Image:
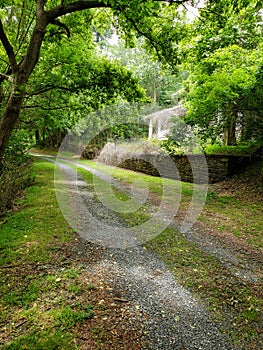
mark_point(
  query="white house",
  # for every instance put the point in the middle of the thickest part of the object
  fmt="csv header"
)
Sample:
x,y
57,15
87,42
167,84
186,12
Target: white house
x,y
160,122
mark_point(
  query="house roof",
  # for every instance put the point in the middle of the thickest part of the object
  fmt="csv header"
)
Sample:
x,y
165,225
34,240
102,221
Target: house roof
x,y
166,114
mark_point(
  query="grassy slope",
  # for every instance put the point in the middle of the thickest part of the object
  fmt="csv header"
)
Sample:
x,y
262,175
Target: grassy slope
x,y
237,210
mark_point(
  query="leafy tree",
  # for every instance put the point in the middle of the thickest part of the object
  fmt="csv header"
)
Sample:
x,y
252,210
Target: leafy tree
x,y
221,91
67,84
23,27
226,23
224,64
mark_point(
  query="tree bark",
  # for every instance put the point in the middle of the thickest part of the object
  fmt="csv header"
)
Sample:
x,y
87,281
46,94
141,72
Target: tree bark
x,y
21,73
230,130
9,118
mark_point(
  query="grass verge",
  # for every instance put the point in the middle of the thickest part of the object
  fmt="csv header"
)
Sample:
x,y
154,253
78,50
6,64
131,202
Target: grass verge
x,y
48,299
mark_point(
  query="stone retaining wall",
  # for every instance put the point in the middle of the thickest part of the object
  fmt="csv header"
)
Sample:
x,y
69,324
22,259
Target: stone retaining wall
x,y
197,168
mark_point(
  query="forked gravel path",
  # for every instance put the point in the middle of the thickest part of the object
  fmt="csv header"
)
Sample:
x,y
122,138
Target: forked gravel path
x,y
169,314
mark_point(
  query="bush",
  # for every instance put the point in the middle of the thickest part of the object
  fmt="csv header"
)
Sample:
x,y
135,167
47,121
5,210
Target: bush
x,y
15,175
116,153
239,150
170,146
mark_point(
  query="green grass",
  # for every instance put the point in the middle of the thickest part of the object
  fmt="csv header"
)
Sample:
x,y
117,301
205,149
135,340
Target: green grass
x,y
239,217
68,317
238,150
154,184
29,232
39,286
43,341
32,238
223,213
234,303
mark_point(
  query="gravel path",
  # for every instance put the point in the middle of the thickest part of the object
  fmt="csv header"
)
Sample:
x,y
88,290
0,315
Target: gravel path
x,y
238,264
170,316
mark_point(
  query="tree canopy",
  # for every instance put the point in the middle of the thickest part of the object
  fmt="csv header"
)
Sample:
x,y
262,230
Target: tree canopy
x,y
223,61
53,70
25,25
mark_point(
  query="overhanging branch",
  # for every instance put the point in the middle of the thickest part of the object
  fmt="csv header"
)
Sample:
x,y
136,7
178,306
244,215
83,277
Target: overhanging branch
x,y
49,88
63,9
8,47
45,108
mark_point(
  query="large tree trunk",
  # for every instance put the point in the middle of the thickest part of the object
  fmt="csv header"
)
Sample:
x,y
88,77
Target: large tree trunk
x,y
21,73
10,117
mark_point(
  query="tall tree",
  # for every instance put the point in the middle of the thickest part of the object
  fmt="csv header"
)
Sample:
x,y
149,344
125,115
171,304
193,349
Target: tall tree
x,y
224,61
221,91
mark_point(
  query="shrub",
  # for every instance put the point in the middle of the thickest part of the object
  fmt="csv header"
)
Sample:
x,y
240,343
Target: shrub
x,y
170,146
241,149
116,153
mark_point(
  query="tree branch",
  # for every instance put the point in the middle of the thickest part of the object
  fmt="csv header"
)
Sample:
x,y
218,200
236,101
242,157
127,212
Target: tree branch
x,y
62,25
62,9
40,7
49,88
146,35
8,47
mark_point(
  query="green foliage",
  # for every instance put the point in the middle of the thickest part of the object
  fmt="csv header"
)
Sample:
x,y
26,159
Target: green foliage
x,y
170,146
15,170
156,78
223,60
78,82
221,89
111,123
220,53
128,131
18,144
239,150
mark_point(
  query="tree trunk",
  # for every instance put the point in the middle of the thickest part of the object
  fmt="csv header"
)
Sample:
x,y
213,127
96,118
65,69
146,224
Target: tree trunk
x,y
37,136
230,130
10,117
21,72
230,135
154,87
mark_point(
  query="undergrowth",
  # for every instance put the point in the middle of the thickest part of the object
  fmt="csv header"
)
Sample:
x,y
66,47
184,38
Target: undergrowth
x,y
15,175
